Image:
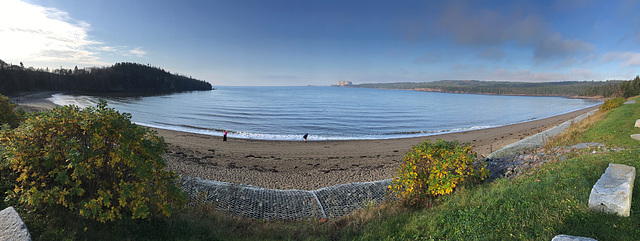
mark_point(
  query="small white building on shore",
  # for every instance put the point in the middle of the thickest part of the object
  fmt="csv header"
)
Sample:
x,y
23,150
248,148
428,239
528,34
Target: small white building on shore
x,y
344,83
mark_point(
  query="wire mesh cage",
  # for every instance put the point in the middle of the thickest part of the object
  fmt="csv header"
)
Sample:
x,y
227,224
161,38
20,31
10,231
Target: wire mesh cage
x,y
271,204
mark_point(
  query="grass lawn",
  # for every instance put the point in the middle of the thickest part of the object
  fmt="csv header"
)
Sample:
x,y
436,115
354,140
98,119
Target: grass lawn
x,y
543,203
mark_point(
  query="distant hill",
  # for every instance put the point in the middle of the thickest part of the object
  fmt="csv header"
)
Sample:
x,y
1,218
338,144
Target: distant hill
x,y
121,77
565,88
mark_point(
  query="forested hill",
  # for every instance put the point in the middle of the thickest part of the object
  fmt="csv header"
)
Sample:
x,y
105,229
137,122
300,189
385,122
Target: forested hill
x,y
121,77
567,88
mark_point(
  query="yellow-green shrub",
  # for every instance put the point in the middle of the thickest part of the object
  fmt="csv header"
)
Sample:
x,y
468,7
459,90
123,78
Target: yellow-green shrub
x,y
7,113
432,169
94,162
612,103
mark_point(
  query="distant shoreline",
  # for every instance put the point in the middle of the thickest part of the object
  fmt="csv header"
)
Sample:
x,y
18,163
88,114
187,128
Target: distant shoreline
x,y
566,89
479,93
562,96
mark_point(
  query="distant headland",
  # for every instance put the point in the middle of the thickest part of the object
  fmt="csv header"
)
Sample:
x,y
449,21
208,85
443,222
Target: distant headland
x,y
574,89
121,77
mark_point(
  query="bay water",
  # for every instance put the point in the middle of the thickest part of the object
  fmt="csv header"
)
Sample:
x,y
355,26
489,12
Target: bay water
x,y
328,113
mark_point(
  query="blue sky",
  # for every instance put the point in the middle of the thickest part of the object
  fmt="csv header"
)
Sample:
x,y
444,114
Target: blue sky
x,y
307,42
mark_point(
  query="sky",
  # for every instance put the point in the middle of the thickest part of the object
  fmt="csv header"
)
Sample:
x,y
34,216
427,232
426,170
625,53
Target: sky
x,y
321,42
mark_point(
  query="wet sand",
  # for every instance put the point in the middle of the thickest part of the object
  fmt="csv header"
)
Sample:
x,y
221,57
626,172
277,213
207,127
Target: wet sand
x,y
313,164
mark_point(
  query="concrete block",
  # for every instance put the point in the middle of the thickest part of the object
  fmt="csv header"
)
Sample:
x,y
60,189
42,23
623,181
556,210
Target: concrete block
x,y
12,227
612,192
564,237
630,102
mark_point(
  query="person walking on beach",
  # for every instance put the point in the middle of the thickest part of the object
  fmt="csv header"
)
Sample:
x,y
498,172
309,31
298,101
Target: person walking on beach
x,y
305,137
224,136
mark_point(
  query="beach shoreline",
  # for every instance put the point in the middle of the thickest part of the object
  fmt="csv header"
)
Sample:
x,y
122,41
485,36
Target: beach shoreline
x,y
313,164
33,102
316,164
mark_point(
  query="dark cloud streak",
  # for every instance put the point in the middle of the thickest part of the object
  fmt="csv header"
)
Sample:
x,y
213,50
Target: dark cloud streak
x,y
493,28
555,46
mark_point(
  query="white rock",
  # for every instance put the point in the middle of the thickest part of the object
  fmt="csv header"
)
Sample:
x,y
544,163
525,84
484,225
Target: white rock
x,y
637,123
635,137
630,102
564,237
11,226
612,192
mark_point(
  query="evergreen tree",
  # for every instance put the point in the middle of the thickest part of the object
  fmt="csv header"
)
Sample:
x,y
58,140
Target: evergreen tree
x,y
121,77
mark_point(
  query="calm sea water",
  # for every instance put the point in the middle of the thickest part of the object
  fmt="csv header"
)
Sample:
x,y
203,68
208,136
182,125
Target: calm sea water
x,y
329,113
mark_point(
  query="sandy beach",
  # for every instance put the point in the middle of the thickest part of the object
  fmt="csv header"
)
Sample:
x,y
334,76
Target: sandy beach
x,y
313,164
34,101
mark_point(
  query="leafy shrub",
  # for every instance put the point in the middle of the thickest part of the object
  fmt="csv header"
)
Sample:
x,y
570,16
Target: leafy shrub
x,y
432,169
8,115
94,162
612,103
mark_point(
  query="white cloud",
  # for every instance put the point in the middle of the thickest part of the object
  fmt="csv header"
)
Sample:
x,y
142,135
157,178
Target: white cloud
x,y
106,48
50,37
627,59
528,75
138,52
39,34
517,75
585,74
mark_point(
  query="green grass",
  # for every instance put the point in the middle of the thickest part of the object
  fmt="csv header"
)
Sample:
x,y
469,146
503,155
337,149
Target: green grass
x,y
549,201
616,128
553,200
546,202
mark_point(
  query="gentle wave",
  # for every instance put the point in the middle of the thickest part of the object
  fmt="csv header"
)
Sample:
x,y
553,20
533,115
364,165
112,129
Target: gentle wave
x,y
294,137
82,101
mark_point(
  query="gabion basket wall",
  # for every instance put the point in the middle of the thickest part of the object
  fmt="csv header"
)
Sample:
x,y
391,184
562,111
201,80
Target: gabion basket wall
x,y
272,204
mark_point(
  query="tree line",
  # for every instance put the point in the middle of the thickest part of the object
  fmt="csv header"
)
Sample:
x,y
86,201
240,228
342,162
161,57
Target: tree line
x,y
121,77
615,88
630,88
610,88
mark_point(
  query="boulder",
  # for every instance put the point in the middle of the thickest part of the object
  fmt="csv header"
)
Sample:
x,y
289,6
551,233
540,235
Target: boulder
x,y
635,137
564,237
11,226
612,192
637,123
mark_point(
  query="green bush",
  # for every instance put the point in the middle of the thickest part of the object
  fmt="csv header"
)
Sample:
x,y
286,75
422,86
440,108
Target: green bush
x,y
432,169
94,162
612,103
8,115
